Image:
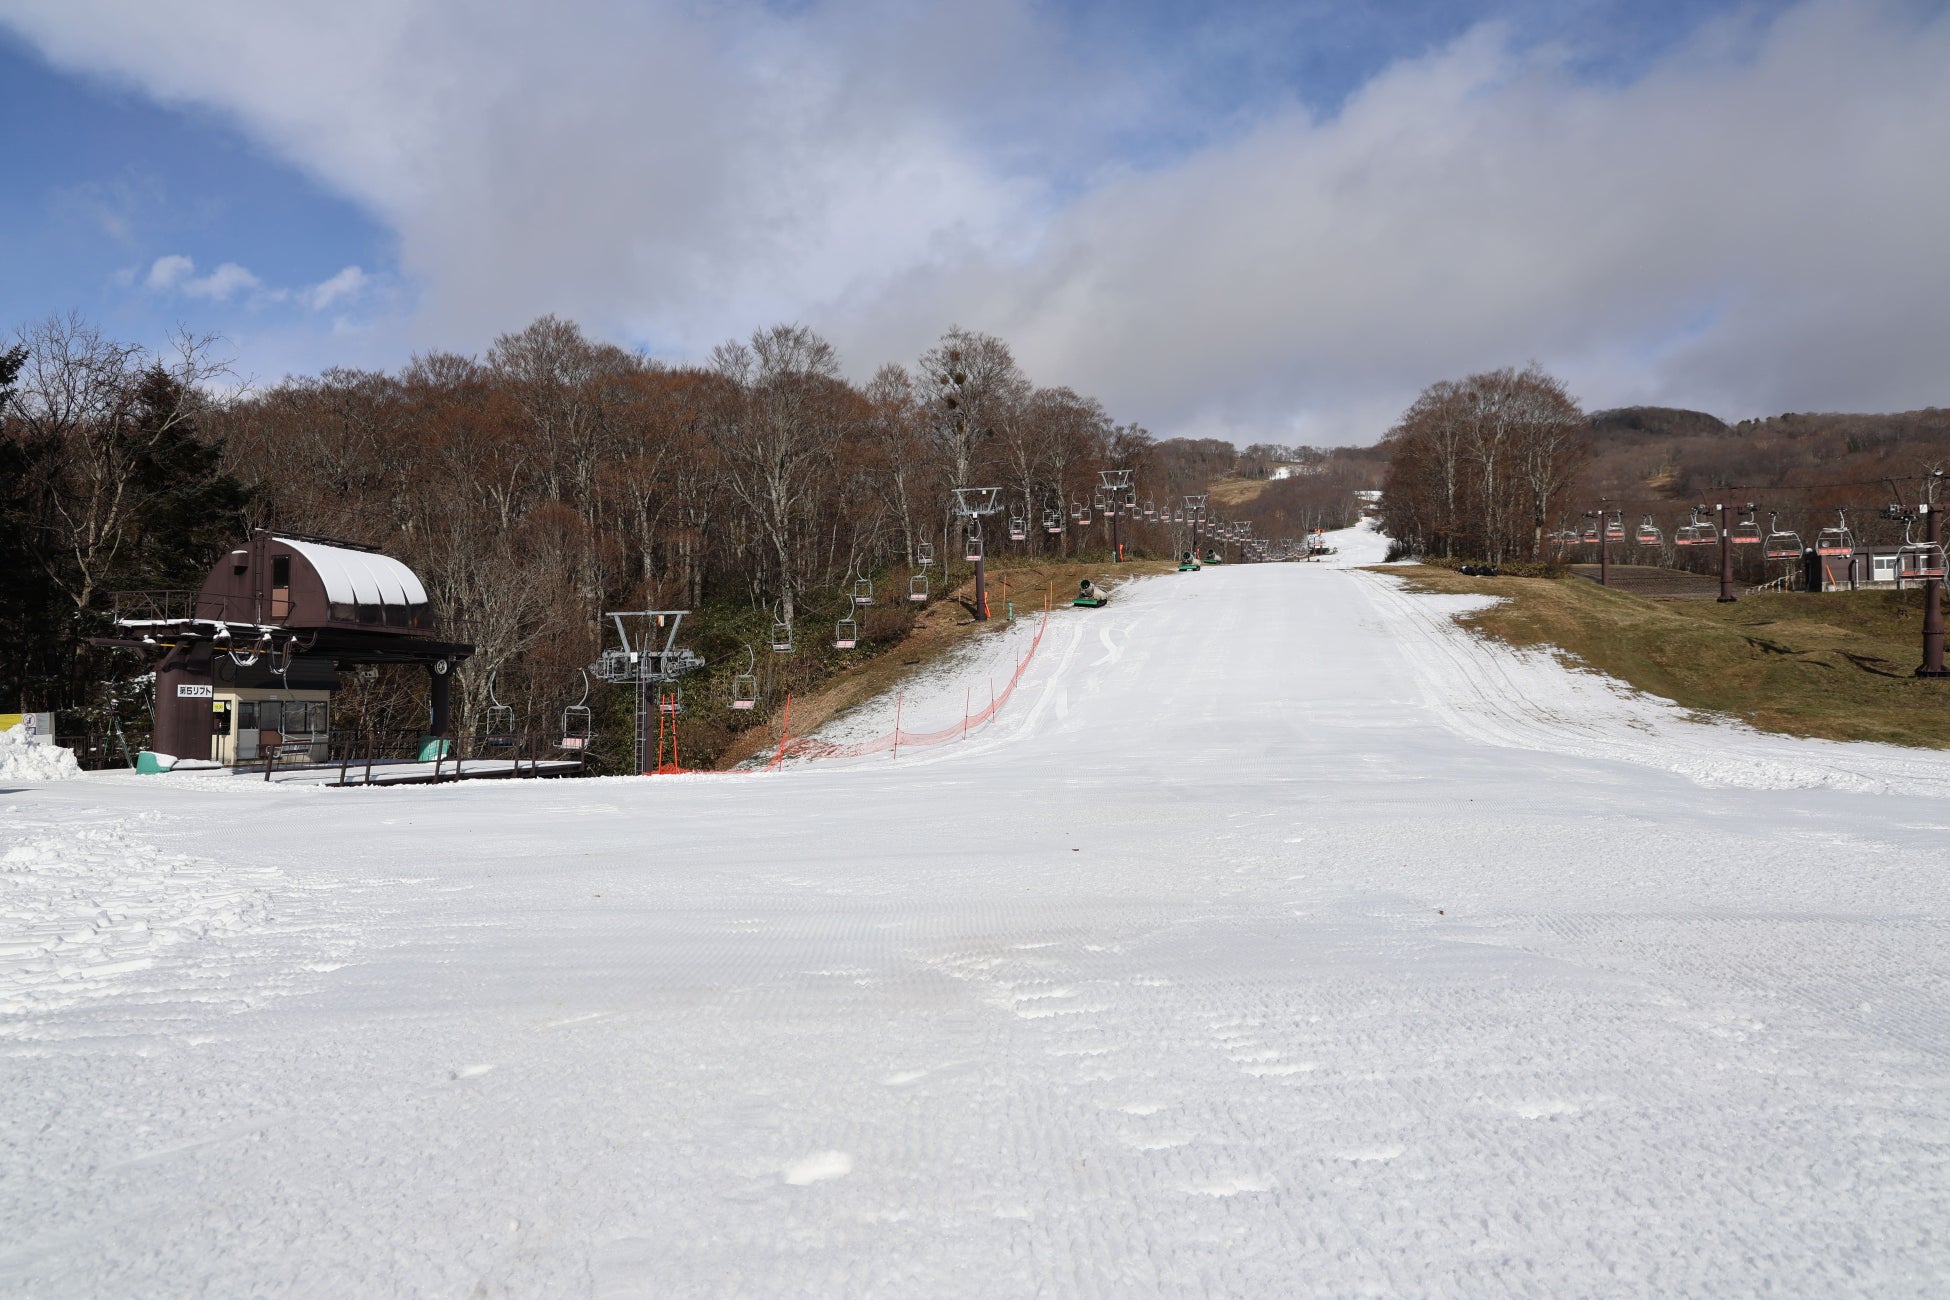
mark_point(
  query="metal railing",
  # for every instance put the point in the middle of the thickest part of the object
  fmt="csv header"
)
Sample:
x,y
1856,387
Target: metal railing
x,y
359,754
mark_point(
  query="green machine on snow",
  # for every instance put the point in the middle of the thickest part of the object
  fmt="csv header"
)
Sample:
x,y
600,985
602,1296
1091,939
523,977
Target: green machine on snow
x,y
1091,596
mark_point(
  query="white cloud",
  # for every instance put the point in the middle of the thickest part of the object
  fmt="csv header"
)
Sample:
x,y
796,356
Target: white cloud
x,y
168,272
1748,226
222,284
345,287
178,273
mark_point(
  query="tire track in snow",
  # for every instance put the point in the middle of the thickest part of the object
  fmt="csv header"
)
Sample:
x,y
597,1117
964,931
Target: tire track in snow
x,y
95,911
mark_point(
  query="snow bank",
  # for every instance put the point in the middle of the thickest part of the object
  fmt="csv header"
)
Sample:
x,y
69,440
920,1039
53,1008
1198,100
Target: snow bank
x,y
22,761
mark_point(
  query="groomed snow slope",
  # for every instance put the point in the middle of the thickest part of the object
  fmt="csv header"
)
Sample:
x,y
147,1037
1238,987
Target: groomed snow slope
x,y
1275,941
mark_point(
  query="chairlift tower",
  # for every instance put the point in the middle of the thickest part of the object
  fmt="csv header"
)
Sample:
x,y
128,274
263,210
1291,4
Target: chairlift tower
x,y
1932,665
974,505
1729,524
648,659
1116,485
1925,560
1195,514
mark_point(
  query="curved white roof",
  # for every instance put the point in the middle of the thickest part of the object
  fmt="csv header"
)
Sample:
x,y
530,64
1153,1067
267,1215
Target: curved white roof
x,y
359,577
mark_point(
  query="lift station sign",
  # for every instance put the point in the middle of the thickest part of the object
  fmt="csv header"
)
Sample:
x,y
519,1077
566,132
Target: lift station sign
x,y
186,691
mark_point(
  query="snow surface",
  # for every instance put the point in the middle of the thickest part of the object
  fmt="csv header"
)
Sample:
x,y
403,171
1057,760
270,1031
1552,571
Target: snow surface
x,y
1275,940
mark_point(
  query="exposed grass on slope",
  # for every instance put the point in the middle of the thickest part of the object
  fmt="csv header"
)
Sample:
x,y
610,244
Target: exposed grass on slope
x,y
1837,665
942,627
1231,492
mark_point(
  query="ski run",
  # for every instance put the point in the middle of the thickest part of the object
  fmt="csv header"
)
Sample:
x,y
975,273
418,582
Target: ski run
x,y
1279,938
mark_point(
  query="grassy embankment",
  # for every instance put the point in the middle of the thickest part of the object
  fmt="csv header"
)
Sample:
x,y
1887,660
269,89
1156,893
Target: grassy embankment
x,y
1837,665
940,628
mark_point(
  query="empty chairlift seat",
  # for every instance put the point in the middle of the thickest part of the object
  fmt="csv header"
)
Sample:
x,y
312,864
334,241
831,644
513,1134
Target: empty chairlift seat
x,y
1919,561
1835,541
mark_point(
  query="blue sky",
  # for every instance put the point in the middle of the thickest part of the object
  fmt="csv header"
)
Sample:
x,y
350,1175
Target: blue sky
x,y
1250,219
103,181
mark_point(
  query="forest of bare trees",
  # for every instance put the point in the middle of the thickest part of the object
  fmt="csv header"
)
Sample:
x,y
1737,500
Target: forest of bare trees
x,y
1503,465
1479,467
533,487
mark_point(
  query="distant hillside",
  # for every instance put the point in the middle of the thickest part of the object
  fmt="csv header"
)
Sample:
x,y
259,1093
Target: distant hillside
x,y
1239,486
1654,422
1804,467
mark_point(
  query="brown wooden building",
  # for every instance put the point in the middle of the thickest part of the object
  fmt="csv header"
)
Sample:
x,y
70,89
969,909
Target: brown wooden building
x,y
252,657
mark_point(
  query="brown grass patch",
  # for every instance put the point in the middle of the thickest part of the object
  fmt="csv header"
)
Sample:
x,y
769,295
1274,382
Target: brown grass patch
x,y
1838,665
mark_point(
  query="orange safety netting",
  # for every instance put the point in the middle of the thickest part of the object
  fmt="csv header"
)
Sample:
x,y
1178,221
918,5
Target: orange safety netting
x,y
791,746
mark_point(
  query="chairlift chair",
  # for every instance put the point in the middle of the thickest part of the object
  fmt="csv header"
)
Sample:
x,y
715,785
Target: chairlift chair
x,y
500,726
1781,544
670,699
1920,561
1615,528
917,588
1837,540
924,554
576,725
974,551
1150,511
1052,522
1018,529
1745,532
500,720
1649,534
744,686
1589,536
863,592
846,634
781,638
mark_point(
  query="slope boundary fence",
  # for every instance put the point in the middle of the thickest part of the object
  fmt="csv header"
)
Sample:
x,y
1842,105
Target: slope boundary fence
x,y
893,742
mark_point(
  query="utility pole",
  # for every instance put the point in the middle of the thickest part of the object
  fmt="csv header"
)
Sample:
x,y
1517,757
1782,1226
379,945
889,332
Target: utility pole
x,y
1116,484
974,503
1604,544
1726,556
1932,665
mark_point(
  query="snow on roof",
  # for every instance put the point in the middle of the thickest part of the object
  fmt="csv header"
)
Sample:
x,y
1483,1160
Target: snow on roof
x,y
359,577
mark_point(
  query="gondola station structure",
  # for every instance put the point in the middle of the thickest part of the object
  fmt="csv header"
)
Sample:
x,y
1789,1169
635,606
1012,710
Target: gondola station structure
x,y
247,664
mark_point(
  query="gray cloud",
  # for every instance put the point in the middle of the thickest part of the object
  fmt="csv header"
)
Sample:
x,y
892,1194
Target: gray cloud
x,y
1749,226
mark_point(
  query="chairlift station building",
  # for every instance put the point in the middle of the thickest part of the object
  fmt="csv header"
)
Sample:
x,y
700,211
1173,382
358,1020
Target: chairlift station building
x,y
252,657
